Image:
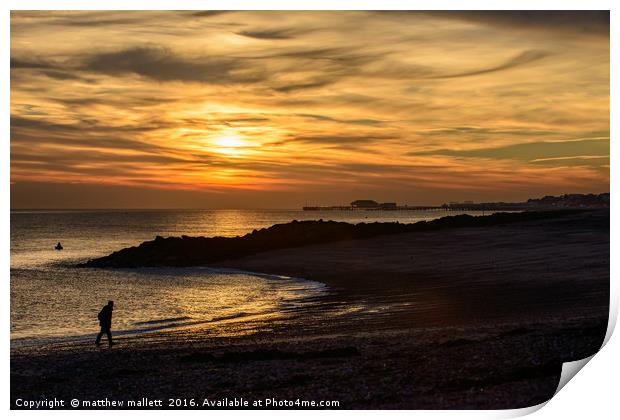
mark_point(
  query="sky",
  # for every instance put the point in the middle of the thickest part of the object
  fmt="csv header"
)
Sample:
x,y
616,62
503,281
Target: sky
x,y
214,109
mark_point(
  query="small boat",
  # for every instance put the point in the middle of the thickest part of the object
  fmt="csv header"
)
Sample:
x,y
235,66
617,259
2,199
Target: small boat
x,y
58,247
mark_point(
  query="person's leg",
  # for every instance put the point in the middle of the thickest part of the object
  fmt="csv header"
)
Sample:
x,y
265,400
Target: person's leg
x,y
109,334
99,337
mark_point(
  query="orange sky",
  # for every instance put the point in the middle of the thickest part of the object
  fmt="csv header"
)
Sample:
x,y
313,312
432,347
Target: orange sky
x,y
278,109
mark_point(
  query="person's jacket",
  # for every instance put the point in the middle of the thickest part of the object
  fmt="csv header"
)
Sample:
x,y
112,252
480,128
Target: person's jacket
x,y
105,317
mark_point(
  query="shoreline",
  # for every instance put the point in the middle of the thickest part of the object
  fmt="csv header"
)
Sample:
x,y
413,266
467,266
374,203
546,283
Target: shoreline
x,y
179,323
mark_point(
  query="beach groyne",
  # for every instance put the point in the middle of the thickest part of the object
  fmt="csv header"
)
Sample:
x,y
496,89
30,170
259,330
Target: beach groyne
x,y
186,251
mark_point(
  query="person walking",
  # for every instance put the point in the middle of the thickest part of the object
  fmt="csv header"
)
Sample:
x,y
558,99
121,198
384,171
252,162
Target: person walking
x,y
105,321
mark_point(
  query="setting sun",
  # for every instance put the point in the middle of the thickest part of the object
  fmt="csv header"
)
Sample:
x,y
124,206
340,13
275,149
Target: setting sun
x,y
230,145
229,142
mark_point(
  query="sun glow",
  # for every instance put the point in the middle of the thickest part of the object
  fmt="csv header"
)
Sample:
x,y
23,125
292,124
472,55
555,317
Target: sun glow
x,y
230,145
229,142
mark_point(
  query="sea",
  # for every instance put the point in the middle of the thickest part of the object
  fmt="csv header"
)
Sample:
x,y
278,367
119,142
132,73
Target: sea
x,y
54,301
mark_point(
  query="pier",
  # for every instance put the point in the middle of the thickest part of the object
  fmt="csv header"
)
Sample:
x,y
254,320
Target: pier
x,y
352,208
568,201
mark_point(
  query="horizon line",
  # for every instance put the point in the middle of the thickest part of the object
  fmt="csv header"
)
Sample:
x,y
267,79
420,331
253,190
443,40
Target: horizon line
x,y
250,209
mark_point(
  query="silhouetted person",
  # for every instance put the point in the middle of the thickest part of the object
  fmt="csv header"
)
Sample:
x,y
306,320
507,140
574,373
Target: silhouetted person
x,y
58,247
105,321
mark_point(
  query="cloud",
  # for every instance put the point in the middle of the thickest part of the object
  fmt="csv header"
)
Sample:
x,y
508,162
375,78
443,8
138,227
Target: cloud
x,y
90,23
423,72
466,130
48,68
600,163
525,57
530,152
342,139
335,55
361,121
24,63
268,34
399,71
162,64
319,67
50,127
59,159
303,86
210,13
38,131
576,21
65,75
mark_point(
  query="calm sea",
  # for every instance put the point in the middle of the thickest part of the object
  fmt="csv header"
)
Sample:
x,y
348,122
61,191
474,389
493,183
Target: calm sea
x,y
51,300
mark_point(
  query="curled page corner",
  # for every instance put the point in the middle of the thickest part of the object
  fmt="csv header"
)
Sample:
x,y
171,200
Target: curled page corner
x,y
613,318
569,370
520,412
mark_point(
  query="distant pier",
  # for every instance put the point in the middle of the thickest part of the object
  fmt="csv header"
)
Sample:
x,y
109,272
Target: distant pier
x,y
352,208
549,202
372,205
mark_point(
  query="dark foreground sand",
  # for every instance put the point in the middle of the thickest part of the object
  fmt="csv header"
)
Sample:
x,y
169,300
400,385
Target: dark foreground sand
x,y
460,318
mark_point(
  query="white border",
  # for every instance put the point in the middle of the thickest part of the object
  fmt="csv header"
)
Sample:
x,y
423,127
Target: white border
x,y
592,394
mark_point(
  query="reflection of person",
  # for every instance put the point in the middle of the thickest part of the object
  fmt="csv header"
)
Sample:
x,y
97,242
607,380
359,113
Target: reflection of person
x,y
105,321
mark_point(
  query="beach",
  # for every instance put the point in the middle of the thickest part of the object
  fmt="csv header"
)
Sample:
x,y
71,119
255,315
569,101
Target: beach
x,y
503,307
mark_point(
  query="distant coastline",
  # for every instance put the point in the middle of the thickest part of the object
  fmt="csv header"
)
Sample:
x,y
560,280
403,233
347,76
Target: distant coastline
x,y
549,202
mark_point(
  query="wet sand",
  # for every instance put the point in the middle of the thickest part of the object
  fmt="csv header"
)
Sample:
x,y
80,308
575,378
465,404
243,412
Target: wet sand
x,y
458,318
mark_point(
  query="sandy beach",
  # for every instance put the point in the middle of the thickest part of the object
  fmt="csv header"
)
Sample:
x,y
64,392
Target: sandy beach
x,y
503,307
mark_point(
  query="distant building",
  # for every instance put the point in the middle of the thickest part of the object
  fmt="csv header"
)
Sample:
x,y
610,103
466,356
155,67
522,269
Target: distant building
x,y
364,204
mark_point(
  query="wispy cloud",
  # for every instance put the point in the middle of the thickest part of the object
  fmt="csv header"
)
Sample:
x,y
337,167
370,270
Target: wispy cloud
x,y
533,151
269,34
575,21
163,65
523,58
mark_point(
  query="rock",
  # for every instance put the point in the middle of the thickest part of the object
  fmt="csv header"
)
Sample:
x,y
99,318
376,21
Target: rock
x,y
194,251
